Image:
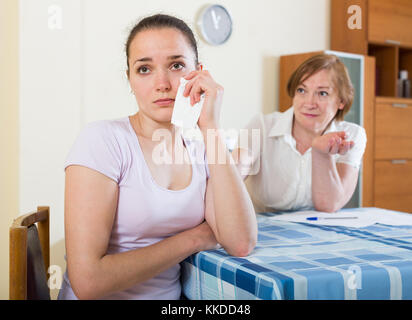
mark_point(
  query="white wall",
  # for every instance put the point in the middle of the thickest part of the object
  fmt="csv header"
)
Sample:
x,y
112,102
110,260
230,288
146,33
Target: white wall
x,y
76,74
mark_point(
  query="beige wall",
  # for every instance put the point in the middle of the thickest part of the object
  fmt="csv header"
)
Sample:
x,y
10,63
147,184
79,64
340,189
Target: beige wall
x,y
9,146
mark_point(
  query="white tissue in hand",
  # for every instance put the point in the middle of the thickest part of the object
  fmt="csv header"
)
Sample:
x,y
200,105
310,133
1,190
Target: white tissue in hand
x,y
184,114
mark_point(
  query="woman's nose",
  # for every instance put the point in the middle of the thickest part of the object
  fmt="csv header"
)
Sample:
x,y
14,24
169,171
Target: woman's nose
x,y
311,99
163,82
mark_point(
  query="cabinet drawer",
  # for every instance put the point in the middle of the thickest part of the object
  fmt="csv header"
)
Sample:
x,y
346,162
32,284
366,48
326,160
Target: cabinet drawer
x,y
393,131
390,21
393,185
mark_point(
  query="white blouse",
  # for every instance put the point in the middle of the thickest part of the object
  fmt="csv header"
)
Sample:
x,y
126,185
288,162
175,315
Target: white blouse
x,y
281,177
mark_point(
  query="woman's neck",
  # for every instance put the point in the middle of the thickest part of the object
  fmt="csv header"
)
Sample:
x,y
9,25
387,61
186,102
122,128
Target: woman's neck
x,y
146,127
303,137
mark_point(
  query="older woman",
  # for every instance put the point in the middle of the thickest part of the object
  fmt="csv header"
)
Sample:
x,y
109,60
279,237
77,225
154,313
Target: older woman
x,y
307,157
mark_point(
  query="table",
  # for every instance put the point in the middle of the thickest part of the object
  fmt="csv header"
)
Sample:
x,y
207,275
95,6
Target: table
x,y
297,261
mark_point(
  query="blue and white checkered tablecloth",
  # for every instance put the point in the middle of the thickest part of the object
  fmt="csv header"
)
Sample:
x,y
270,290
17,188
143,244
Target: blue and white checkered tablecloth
x,y
305,261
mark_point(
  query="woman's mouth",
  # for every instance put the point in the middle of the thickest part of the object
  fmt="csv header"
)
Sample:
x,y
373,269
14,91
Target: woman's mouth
x,y
164,102
309,115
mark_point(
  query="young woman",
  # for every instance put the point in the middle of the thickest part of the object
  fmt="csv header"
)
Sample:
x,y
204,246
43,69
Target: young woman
x,y
130,220
308,157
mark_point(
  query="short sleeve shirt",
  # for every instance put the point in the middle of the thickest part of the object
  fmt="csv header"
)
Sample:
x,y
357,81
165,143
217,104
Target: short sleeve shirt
x,y
147,212
281,177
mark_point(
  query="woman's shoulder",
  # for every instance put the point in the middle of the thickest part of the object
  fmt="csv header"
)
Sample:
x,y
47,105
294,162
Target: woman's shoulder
x,y
100,146
104,136
267,121
115,132
118,126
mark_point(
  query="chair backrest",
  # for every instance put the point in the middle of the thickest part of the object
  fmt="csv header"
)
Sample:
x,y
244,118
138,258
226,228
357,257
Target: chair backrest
x,y
30,256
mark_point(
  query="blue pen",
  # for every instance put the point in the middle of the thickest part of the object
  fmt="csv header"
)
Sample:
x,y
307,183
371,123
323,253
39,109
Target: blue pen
x,y
326,218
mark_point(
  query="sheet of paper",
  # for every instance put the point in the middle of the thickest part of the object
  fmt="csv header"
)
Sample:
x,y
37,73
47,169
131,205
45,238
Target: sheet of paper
x,y
393,218
363,217
184,114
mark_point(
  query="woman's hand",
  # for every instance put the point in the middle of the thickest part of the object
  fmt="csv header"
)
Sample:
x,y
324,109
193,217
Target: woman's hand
x,y
204,237
201,82
332,143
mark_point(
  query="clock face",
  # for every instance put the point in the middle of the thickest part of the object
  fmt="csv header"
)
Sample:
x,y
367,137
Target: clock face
x,y
215,24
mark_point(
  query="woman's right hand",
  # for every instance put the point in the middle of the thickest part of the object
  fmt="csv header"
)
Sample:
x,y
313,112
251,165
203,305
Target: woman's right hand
x,y
332,143
204,237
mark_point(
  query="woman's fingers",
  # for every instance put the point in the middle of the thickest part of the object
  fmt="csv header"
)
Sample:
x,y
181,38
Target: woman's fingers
x,y
345,147
341,134
195,92
199,82
191,75
188,89
335,145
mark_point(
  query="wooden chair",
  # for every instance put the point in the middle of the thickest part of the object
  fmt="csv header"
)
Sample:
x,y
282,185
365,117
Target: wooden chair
x,y
30,256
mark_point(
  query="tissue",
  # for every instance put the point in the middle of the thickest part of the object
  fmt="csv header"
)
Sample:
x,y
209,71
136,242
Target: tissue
x,y
185,115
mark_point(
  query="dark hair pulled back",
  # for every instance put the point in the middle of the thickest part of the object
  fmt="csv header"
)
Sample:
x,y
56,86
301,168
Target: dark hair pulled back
x,y
160,21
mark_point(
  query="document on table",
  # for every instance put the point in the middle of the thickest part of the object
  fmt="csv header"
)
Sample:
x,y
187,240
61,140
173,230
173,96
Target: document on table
x,y
356,218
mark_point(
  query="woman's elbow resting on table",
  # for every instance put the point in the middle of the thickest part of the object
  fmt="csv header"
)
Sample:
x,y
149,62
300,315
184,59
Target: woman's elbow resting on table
x,y
242,250
243,247
84,285
327,205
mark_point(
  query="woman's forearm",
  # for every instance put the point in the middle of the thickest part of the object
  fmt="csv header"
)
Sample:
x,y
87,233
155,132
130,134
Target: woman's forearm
x,y
120,271
328,193
235,218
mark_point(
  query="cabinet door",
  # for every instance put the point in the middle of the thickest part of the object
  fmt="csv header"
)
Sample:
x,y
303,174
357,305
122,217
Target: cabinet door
x,y
393,130
393,185
390,21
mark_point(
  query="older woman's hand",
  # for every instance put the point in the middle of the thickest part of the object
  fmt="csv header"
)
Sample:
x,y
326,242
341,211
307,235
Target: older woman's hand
x,y
332,143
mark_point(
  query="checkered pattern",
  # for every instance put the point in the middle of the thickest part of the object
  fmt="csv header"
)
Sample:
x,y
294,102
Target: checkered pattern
x,y
304,261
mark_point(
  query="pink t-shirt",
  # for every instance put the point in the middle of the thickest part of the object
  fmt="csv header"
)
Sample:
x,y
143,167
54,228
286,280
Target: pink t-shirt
x,y
146,212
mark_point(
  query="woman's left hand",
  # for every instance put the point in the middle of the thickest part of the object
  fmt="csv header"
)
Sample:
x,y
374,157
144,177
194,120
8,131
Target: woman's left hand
x,y
332,143
201,82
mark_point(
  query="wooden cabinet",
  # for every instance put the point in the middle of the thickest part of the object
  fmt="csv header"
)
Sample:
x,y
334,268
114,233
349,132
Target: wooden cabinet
x,y
393,154
390,21
393,135
384,31
393,184
386,35
377,21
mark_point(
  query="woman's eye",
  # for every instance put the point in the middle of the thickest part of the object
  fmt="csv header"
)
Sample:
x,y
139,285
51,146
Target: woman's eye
x,y
143,70
300,90
323,93
177,66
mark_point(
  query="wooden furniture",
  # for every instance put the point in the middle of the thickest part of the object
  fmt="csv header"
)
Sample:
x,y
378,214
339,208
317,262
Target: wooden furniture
x,y
393,154
30,256
385,34
363,105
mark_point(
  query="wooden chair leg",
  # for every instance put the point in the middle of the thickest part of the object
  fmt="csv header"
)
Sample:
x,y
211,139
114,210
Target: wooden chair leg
x,y
18,264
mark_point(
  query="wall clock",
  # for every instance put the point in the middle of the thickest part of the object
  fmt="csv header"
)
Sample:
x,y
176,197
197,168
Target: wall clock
x,y
215,24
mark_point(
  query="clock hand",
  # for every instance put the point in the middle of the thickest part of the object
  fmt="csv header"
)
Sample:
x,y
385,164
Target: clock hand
x,y
216,19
